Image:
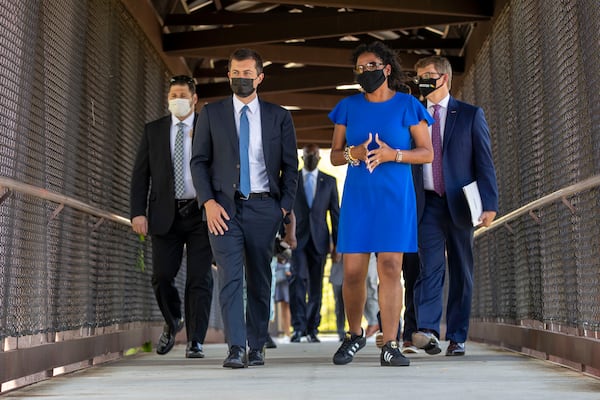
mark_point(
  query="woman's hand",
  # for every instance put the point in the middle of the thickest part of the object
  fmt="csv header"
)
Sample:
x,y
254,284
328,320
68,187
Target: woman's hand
x,y
379,155
361,151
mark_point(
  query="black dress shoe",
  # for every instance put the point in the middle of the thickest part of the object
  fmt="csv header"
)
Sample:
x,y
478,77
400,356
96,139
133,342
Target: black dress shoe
x,y
167,338
256,357
194,350
455,349
236,358
296,337
270,343
312,338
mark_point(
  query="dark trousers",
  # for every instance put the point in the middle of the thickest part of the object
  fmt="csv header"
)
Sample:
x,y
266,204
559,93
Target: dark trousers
x,y
439,236
167,254
410,272
340,314
248,243
306,281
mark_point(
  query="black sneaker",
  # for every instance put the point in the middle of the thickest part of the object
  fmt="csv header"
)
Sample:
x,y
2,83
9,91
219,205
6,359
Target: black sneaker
x,y
352,343
391,356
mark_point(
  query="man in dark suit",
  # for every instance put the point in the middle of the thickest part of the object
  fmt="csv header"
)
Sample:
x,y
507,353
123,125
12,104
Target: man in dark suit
x,y
462,155
163,204
244,166
317,195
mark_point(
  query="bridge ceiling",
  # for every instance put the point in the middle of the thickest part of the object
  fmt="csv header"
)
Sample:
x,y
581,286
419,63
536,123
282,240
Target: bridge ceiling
x,y
307,45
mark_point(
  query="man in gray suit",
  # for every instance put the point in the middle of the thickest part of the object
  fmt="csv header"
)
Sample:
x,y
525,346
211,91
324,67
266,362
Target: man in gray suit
x,y
163,204
244,167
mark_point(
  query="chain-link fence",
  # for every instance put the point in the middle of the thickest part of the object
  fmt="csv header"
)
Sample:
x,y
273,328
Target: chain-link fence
x,y
79,81
537,78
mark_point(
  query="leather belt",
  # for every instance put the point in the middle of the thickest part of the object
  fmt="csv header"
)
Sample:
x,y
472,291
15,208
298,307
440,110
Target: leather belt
x,y
179,203
252,196
434,193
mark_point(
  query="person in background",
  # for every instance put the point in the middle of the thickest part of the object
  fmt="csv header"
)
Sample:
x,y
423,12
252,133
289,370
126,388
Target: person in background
x,y
282,292
371,310
374,134
463,154
245,170
317,196
163,204
336,278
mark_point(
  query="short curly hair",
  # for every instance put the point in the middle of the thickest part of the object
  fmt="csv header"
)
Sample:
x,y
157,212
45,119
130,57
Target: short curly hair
x,y
388,56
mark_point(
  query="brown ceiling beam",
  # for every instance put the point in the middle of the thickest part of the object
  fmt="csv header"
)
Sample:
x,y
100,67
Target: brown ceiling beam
x,y
240,18
293,82
475,8
305,101
321,137
312,121
183,43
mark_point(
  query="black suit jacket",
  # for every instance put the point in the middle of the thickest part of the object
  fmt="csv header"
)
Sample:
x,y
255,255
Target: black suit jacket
x,y
311,223
215,160
152,191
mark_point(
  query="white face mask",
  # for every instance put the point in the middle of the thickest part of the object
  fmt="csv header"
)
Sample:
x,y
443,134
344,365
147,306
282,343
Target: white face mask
x,y
180,107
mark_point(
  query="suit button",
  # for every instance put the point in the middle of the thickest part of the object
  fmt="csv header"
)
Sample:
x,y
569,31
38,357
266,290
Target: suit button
x,y
235,185
237,166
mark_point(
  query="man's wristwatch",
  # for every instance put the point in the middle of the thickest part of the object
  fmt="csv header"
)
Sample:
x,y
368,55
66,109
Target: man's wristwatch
x,y
398,155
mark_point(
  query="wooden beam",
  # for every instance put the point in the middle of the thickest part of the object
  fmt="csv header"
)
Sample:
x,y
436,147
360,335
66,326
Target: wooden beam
x,y
456,7
143,12
305,101
183,43
312,122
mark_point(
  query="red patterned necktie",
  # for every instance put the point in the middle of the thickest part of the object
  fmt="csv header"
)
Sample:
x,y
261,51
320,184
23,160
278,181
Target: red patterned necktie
x,y
436,141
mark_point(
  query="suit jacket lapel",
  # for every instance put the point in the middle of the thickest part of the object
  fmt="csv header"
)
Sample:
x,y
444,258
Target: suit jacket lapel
x,y
266,120
450,121
229,128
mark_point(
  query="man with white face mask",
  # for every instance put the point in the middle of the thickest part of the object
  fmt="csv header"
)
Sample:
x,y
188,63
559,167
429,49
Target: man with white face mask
x,y
163,204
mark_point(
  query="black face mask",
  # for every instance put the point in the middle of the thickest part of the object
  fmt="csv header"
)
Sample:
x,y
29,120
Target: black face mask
x,y
243,87
427,86
371,80
310,162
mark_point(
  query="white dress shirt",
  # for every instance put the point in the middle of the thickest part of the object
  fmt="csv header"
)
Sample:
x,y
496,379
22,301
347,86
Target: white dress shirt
x,y
189,191
259,180
443,112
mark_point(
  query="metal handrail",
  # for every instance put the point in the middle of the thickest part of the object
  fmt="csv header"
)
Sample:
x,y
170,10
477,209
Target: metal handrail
x,y
60,199
561,194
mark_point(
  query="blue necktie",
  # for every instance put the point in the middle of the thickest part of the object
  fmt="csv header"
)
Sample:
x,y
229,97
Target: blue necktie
x,y
178,161
244,159
309,189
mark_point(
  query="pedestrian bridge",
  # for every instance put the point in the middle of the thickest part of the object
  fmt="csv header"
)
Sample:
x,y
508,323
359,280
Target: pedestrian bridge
x,y
98,307
305,371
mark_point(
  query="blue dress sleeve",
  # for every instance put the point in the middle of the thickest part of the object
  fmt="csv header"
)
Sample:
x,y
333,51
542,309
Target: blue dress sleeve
x,y
339,114
416,112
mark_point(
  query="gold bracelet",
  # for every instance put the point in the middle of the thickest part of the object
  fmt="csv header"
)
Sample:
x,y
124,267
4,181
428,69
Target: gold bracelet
x,y
348,157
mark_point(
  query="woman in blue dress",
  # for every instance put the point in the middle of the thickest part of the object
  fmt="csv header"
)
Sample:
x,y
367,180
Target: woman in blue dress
x,y
379,133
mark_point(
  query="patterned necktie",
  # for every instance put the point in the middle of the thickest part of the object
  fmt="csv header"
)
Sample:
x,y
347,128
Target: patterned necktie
x,y
178,161
436,141
309,189
244,159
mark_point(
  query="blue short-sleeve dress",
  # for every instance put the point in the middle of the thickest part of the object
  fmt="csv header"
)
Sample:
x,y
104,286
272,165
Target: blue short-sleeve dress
x,y
378,212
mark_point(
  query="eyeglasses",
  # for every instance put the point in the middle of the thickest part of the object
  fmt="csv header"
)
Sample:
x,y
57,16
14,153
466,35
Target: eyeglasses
x,y
427,75
372,66
181,79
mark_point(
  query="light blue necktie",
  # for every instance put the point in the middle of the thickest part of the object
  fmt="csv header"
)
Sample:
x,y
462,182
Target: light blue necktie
x,y
178,161
244,159
309,189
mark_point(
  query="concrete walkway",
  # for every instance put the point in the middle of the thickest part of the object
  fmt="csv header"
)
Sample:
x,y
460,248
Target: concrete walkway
x,y
305,372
